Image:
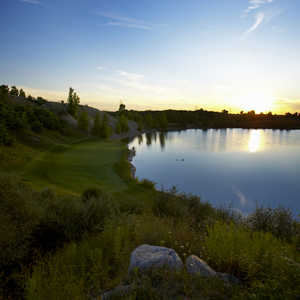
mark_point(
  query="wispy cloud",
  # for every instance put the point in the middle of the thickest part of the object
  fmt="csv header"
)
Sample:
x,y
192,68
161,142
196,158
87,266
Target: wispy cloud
x,y
100,68
37,2
259,18
130,76
127,22
255,4
242,198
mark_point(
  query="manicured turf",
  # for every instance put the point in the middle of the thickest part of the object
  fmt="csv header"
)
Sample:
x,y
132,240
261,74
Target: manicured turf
x,y
73,168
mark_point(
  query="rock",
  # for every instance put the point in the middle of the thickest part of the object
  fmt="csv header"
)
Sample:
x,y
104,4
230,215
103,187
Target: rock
x,y
195,265
146,257
120,290
228,278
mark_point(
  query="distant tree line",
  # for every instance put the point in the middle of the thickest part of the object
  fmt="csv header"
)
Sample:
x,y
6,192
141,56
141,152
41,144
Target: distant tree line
x,y
182,119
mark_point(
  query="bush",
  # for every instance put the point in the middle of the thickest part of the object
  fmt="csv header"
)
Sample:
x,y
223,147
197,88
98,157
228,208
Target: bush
x,y
90,193
256,257
279,221
148,184
5,138
81,271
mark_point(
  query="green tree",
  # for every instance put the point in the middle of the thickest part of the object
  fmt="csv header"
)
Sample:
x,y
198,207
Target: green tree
x,y
123,123
83,121
149,120
73,102
105,128
4,90
97,127
163,122
118,128
122,108
22,93
14,91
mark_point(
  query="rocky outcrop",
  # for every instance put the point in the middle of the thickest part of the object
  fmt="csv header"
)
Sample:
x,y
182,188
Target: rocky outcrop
x,y
195,265
146,257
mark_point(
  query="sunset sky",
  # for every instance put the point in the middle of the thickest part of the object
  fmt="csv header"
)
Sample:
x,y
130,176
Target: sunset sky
x,y
155,54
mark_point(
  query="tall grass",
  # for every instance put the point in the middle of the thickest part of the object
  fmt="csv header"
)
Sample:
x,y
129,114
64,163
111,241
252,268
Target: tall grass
x,y
260,259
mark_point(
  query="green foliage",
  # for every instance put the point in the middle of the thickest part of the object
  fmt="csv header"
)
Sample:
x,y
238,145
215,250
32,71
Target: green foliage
x,y
14,91
101,129
40,100
22,93
105,128
278,221
123,166
97,127
122,125
73,102
4,90
148,184
118,128
257,257
5,138
83,121
122,108
149,120
163,122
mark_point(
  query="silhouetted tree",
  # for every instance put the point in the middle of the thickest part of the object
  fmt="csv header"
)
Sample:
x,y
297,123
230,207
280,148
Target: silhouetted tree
x,y
122,108
4,90
14,91
73,102
22,93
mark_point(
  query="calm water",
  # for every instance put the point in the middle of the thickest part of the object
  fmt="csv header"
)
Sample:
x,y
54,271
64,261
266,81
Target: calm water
x,y
236,167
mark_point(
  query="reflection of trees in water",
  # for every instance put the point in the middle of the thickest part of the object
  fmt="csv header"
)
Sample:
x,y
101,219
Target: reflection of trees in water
x,y
162,140
222,140
154,136
140,139
148,138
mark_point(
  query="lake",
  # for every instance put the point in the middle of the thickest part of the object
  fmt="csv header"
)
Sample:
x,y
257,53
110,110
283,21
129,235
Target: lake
x,y
239,168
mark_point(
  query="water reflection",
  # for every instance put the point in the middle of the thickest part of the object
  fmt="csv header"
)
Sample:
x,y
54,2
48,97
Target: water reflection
x,y
140,139
162,140
149,138
219,165
255,140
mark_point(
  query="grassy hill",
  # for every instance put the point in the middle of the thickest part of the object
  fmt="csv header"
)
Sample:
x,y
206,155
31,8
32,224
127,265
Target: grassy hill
x,y
70,215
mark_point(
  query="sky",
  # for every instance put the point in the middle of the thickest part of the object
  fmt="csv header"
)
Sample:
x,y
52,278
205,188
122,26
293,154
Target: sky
x,y
155,54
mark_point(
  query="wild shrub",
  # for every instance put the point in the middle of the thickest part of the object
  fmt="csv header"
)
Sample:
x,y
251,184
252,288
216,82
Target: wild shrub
x,y
279,221
169,204
258,258
92,193
83,270
148,184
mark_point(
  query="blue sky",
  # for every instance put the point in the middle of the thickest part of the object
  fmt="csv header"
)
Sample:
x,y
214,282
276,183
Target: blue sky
x,y
215,54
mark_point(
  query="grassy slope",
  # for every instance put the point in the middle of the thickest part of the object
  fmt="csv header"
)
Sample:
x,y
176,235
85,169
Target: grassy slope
x,y
74,168
69,166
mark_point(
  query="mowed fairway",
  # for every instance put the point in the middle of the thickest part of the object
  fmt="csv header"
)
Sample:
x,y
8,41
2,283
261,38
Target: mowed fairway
x,y
74,168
